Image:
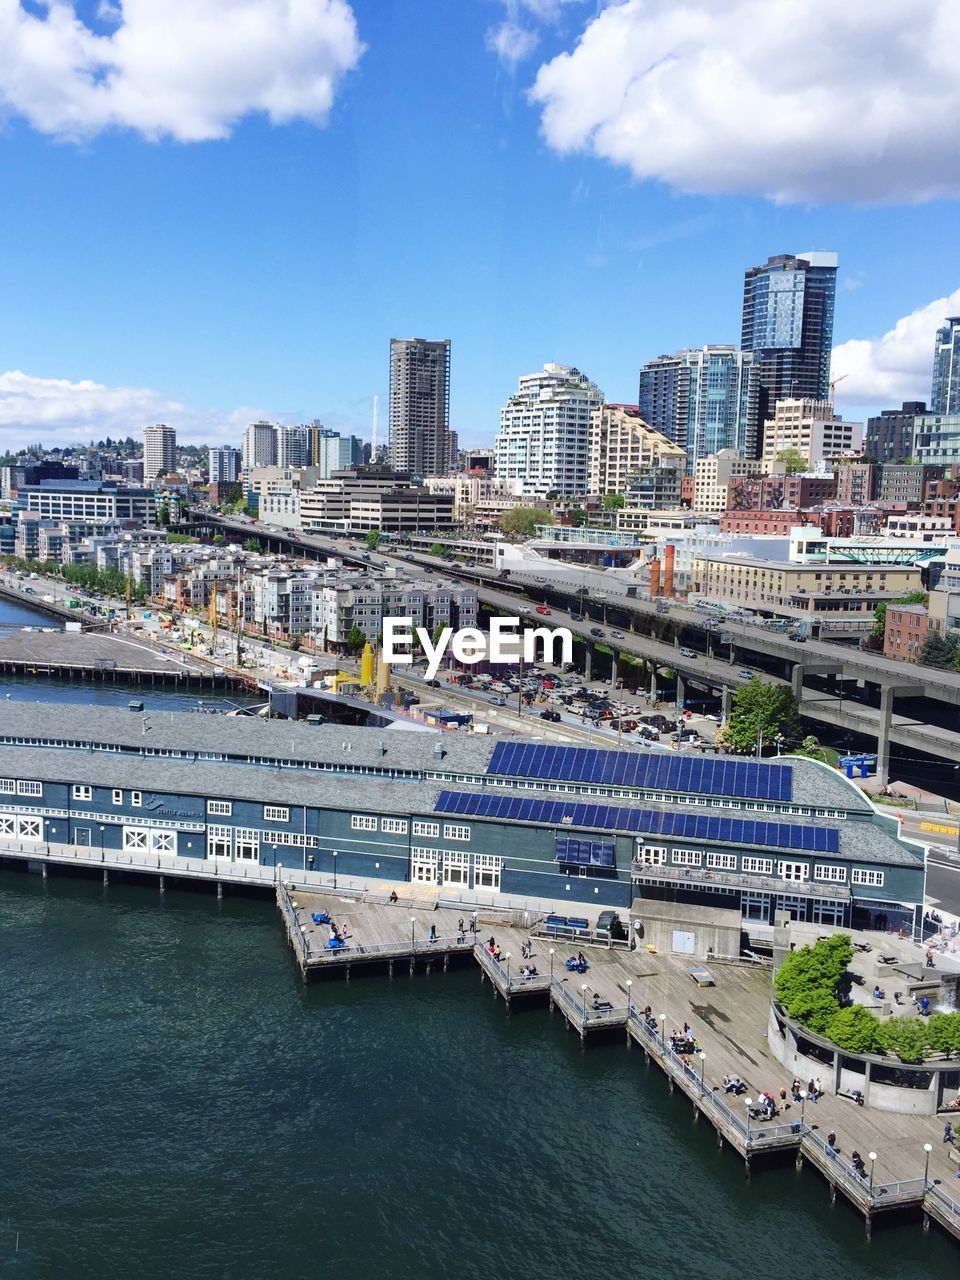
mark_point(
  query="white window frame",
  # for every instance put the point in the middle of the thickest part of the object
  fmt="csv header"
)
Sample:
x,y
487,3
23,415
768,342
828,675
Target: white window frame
x,y
163,842
831,875
653,855
81,792
275,813
487,872
787,872
722,861
8,787
424,866
453,831
8,824
117,796
30,828
136,799
29,788
394,826
455,868
759,866
431,829
135,839
686,857
246,844
860,875
219,842
363,822
220,808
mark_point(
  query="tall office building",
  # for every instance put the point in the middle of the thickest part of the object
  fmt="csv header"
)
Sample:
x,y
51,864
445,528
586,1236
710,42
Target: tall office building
x,y
945,395
223,464
788,325
703,399
294,446
337,453
420,437
159,451
544,437
259,445
889,435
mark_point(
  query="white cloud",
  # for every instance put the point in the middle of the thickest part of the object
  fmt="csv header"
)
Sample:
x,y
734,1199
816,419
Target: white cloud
x,y
802,100
56,412
896,366
514,39
186,69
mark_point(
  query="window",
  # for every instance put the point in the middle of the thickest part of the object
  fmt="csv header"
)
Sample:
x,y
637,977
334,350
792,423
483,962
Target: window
x,y
453,832
456,867
136,799
220,808
823,872
394,826
722,861
686,857
29,789
117,796
487,871
82,793
423,866
794,871
763,866
163,841
859,876
653,855
219,842
363,822
273,813
247,845
426,829
30,828
8,786
8,825
134,840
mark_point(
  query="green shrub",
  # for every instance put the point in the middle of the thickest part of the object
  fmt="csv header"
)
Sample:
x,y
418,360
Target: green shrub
x,y
855,1029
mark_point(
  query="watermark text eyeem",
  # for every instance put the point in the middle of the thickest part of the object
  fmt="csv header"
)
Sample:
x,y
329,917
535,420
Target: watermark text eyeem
x,y
506,643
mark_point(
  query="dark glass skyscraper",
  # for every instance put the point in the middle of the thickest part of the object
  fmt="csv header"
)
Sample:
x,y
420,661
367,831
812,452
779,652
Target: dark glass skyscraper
x,y
788,325
945,395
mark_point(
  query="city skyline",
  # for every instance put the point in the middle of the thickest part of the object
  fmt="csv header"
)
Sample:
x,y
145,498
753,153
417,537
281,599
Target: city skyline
x,y
282,244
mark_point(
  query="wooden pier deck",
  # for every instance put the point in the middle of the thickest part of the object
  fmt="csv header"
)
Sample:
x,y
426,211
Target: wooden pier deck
x,y
729,1021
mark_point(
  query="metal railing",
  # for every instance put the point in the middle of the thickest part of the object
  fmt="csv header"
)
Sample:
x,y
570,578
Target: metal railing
x,y
740,880
385,950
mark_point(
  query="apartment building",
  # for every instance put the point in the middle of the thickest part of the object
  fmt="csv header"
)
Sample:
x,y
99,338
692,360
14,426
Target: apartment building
x,y
621,444
716,477
544,437
813,429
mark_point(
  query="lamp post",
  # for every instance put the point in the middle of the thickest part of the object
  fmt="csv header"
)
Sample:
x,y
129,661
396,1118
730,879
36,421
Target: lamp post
x,y
926,1163
101,845
583,989
507,958
629,993
872,1155
803,1104
551,965
413,936
703,1059
663,1018
476,924
748,1103
779,740
334,868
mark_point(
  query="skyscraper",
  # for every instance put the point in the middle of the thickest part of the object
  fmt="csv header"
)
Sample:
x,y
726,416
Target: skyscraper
x,y
945,395
223,464
788,325
420,438
294,446
704,399
545,432
159,451
260,445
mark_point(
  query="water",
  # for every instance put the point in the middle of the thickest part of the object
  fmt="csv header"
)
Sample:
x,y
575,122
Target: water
x,y
18,615
176,1103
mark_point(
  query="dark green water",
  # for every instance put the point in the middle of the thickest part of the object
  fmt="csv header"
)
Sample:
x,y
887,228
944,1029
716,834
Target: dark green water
x,y
176,1103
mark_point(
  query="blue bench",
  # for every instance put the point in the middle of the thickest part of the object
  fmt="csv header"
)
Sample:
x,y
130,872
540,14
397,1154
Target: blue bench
x,y
320,917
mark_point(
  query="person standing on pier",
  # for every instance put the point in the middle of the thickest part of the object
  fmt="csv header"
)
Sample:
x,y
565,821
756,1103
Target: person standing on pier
x,y
948,1132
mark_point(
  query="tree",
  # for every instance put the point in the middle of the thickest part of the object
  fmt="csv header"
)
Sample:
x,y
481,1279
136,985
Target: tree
x,y
163,515
234,495
762,708
579,517
880,612
943,1033
940,651
373,539
251,544
218,539
524,520
908,1038
614,502
356,639
856,1029
811,748
438,549
794,459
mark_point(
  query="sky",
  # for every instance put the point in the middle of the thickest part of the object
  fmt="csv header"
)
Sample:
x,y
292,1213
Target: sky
x,y
217,210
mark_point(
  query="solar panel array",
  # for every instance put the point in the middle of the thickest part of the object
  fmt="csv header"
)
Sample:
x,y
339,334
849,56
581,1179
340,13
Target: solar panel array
x,y
658,771
684,826
585,853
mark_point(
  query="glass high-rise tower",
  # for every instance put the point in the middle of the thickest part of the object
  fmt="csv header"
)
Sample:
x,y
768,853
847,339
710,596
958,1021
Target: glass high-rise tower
x,y
420,437
945,394
788,325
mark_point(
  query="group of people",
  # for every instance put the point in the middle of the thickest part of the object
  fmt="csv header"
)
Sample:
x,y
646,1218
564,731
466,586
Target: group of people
x,y
578,963
684,1042
733,1084
814,1090
922,1005
338,935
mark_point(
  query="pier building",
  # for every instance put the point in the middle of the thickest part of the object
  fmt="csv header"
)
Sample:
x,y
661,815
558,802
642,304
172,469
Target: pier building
x,y
458,815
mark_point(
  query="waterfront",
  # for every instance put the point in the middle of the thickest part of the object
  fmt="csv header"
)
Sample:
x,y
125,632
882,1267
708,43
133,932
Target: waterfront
x,y
178,1103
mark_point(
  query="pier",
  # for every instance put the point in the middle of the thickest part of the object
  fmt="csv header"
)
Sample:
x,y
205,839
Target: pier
x,y
89,656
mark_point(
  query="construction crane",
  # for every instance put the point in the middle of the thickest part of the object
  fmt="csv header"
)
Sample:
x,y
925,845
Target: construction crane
x,y
373,433
834,381
213,618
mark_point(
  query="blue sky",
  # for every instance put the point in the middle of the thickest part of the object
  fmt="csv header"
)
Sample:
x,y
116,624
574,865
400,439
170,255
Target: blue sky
x,y
265,271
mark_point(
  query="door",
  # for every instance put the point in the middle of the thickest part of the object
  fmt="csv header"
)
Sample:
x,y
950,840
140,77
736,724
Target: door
x,y
81,836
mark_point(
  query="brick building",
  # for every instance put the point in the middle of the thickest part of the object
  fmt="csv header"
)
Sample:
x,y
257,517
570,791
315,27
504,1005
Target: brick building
x,y
905,632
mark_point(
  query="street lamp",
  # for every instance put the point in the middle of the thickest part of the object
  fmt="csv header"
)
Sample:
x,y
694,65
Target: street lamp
x,y
334,868
872,1156
101,845
476,919
551,964
748,1103
926,1163
507,958
584,990
663,1018
629,1003
703,1059
413,936
779,740
803,1104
